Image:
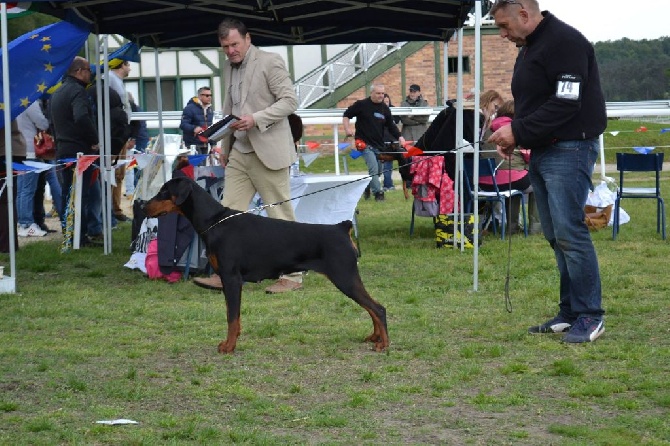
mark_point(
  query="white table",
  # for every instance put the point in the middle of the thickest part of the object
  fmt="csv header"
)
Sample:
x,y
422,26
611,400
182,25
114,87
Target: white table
x,y
324,199
327,199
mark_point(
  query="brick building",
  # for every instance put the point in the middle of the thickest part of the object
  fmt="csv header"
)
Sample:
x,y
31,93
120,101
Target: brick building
x,y
426,66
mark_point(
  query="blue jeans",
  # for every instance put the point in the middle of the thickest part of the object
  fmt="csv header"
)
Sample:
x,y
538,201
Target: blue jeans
x,y
374,168
561,179
50,177
91,216
388,172
26,186
54,186
94,218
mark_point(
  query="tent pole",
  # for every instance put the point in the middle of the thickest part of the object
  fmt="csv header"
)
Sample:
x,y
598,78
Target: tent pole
x,y
445,80
459,190
106,152
161,132
336,141
475,182
601,143
9,176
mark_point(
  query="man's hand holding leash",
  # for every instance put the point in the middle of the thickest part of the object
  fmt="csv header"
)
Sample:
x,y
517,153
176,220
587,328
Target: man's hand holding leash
x,y
504,138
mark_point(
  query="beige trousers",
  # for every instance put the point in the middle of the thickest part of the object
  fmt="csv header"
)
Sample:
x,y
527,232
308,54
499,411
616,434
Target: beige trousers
x,y
246,175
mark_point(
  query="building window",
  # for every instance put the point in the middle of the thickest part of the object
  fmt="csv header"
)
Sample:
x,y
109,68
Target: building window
x,y
452,65
169,95
189,88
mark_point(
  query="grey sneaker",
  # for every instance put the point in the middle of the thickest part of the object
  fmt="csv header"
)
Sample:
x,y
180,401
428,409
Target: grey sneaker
x,y
585,329
555,325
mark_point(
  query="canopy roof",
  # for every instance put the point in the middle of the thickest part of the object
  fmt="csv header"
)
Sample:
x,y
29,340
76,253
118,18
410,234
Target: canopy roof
x,y
193,23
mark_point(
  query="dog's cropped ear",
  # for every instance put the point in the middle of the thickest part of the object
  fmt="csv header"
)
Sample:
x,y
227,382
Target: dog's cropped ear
x,y
182,191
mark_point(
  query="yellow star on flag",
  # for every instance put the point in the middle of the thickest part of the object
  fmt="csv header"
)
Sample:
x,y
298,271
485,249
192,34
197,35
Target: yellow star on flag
x,y
40,57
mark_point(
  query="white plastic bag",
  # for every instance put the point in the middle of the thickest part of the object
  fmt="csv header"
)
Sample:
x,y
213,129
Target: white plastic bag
x,y
603,195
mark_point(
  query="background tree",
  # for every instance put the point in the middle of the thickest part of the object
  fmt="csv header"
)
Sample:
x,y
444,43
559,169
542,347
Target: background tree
x,y
634,70
21,25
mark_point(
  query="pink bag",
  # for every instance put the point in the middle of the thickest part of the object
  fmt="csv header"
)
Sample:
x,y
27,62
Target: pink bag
x,y
151,264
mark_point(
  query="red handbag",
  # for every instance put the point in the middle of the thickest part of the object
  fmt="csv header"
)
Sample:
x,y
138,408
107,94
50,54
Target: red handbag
x,y
45,148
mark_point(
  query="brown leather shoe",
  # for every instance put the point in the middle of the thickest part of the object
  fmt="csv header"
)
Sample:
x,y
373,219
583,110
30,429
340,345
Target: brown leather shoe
x,y
212,282
283,286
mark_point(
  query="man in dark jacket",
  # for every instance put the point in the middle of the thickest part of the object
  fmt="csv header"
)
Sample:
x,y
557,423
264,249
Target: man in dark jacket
x,y
372,115
196,117
559,115
74,131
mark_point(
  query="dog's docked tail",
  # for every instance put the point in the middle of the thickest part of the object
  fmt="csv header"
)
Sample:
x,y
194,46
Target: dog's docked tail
x,y
348,227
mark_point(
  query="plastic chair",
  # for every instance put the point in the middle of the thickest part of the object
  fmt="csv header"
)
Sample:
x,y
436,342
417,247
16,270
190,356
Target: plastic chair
x,y
634,162
487,167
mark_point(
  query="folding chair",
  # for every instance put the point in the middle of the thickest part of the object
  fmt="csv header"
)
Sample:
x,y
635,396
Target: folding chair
x,y
487,167
635,162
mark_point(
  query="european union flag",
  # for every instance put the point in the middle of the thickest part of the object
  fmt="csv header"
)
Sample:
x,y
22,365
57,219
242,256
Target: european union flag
x,y
37,60
130,51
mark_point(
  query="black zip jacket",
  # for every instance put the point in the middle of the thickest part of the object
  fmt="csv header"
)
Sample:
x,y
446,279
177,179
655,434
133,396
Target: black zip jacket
x,y
556,87
72,118
371,118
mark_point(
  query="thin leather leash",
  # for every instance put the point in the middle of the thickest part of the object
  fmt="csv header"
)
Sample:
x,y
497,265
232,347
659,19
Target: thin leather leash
x,y
279,203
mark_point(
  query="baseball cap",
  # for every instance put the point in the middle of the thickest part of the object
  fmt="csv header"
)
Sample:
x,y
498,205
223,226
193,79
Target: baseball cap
x,y
414,87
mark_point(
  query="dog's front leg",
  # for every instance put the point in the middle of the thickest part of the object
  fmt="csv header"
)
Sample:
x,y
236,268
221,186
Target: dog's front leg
x,y
232,290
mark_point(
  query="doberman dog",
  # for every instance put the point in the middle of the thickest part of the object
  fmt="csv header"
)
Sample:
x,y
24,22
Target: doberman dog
x,y
245,247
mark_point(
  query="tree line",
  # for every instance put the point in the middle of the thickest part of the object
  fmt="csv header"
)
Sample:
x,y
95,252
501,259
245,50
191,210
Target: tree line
x,y
634,70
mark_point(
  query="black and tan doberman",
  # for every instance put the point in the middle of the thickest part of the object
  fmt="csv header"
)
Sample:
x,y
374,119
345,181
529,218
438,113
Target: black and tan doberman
x,y
243,247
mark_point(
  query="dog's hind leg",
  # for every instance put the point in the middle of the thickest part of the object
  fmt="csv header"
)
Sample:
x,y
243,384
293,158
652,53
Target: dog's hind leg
x,y
350,283
232,290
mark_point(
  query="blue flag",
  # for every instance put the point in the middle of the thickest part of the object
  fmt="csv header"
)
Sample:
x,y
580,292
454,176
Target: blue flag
x,y
195,160
37,60
130,52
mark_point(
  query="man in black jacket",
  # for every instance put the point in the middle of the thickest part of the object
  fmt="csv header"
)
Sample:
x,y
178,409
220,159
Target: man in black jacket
x,y
74,131
559,114
372,115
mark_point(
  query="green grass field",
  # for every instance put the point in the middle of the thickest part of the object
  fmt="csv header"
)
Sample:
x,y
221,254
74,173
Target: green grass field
x,y
85,339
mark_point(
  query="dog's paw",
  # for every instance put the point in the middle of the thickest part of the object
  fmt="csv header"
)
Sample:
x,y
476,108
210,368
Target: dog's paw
x,y
226,347
381,346
374,337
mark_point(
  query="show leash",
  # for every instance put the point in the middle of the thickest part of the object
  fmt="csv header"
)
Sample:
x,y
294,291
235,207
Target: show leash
x,y
258,209
261,208
508,299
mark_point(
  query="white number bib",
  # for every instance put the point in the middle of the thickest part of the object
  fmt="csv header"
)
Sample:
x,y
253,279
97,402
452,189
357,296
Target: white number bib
x,y
568,86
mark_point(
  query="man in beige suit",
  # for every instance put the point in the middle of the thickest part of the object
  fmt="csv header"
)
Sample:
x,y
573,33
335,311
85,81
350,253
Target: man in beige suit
x,y
257,156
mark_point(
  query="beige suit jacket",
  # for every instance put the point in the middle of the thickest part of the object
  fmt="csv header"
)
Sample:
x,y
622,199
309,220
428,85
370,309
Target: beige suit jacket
x,y
267,94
